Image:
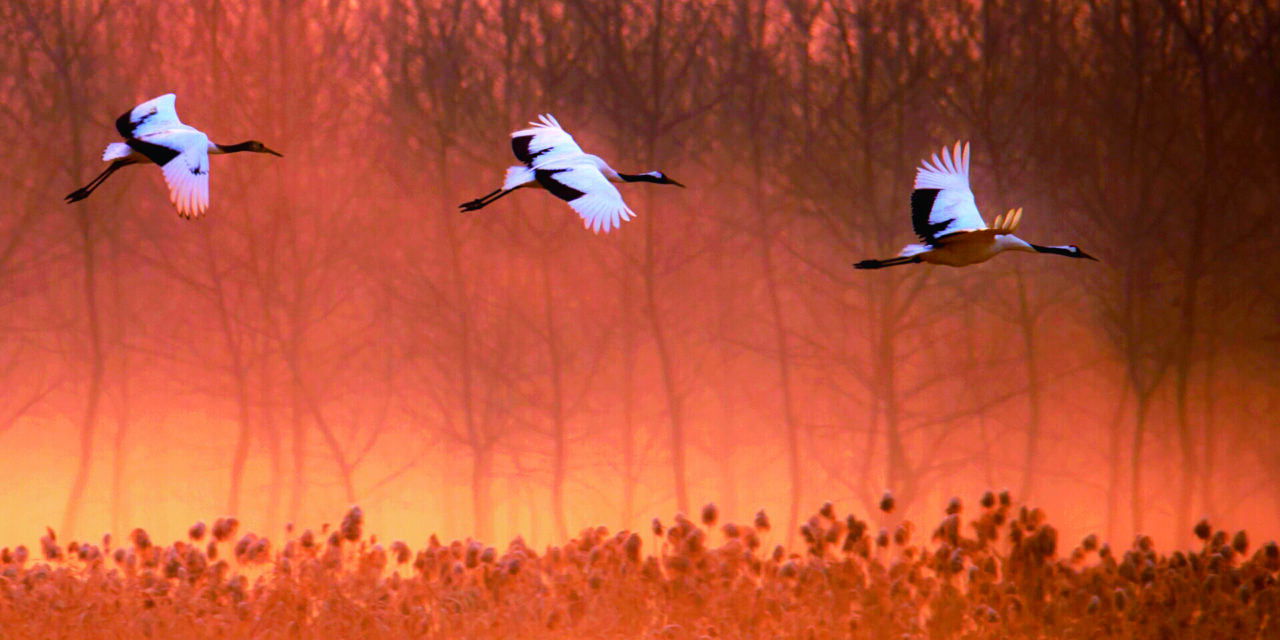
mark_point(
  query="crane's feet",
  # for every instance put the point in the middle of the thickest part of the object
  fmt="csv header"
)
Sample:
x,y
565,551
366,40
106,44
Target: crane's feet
x,y
78,195
869,264
473,205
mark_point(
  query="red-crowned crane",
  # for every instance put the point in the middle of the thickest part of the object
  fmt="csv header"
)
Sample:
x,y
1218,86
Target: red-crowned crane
x,y
553,161
153,133
945,216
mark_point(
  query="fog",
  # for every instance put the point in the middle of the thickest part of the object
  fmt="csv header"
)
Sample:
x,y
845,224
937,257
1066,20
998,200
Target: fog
x,y
335,331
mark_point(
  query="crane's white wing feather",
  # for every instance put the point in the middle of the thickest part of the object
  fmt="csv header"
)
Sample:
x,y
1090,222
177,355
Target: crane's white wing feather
x,y
188,172
589,193
543,142
156,114
942,203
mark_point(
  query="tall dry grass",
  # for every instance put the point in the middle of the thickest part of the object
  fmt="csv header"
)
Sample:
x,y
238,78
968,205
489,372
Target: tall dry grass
x,y
1001,572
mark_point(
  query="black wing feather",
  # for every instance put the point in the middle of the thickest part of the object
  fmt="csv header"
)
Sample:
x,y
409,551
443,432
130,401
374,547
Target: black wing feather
x,y
547,178
156,153
921,206
520,146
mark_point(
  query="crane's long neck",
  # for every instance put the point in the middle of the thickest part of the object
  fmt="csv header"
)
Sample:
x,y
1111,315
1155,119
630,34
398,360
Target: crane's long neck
x,y
230,148
651,176
1070,252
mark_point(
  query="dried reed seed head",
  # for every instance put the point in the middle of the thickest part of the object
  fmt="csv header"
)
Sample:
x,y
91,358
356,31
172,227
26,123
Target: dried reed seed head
x,y
212,550
988,499
1090,542
656,527
1202,529
1093,605
779,553
953,506
882,538
902,533
1005,499
1219,538
1119,598
788,569
1240,542
886,502
709,514
762,521
196,532
401,551
828,511
140,539
632,547
352,524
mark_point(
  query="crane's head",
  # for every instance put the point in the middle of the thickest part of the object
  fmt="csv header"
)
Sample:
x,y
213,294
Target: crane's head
x,y
258,147
248,145
661,178
1069,250
656,177
1077,253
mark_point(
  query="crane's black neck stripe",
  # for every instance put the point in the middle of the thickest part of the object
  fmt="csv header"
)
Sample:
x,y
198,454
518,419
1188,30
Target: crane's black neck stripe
x,y
547,178
1057,251
921,207
640,177
520,146
237,147
156,153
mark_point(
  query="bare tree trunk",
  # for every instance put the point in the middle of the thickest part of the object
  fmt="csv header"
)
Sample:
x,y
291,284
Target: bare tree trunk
x,y
629,464
1114,475
1027,320
481,502
1135,463
298,430
97,351
559,444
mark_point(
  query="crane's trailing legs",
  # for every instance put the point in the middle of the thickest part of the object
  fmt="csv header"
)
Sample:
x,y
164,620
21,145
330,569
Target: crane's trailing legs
x,y
485,200
83,192
890,262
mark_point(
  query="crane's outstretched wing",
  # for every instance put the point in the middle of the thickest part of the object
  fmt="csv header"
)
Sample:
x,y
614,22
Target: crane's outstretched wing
x,y
942,203
156,114
589,193
545,141
187,171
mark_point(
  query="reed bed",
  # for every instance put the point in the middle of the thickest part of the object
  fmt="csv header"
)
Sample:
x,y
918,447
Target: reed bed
x,y
999,572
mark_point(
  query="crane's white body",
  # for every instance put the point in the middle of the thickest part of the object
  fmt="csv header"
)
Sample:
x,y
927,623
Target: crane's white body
x,y
187,172
153,133
553,151
945,217
553,161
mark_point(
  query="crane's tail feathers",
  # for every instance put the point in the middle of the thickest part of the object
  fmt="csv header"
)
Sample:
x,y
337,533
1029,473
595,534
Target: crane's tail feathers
x,y
1008,223
547,120
115,151
517,176
891,262
912,250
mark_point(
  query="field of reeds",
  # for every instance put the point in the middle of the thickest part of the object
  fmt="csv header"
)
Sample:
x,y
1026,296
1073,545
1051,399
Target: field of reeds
x,y
992,570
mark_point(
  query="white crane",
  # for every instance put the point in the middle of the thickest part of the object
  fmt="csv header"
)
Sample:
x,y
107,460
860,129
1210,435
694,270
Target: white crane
x,y
945,216
153,133
553,161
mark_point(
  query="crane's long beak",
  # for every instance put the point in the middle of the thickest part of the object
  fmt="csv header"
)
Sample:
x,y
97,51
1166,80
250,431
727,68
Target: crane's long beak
x,y
274,153
1085,255
676,183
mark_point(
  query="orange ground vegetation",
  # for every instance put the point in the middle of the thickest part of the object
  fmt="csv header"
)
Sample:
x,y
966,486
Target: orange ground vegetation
x,y
1000,574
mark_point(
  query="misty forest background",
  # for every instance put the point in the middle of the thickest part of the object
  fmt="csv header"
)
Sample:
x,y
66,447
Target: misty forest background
x,y
336,332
